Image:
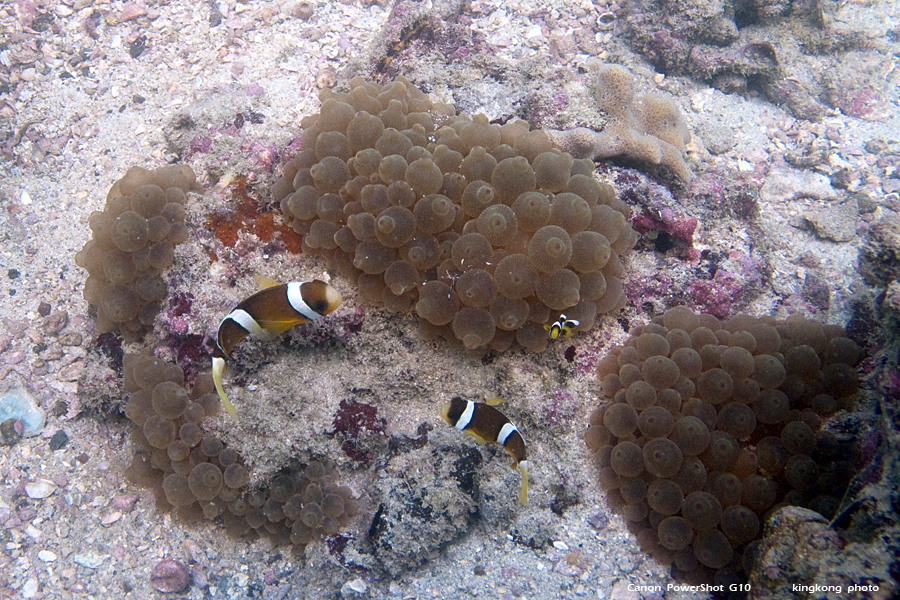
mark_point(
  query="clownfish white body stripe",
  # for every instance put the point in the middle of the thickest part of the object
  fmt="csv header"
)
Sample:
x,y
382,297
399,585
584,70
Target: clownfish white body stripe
x,y
487,424
268,313
563,327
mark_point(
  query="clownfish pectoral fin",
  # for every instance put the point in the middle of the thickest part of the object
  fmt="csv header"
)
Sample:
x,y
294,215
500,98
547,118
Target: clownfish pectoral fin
x,y
477,437
218,369
495,401
271,329
265,283
523,494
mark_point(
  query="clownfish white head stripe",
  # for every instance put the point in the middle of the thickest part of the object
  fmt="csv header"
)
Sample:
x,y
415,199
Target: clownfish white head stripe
x,y
269,313
487,424
562,327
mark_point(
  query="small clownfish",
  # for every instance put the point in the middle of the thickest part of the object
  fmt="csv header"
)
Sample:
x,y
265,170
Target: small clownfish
x,y
268,313
487,424
563,327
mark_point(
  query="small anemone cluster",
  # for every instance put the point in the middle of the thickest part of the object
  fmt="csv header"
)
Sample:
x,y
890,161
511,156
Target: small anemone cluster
x,y
133,241
486,231
714,424
201,478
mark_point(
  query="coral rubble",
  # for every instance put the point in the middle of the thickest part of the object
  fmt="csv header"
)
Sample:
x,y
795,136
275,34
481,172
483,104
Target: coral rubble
x,y
646,128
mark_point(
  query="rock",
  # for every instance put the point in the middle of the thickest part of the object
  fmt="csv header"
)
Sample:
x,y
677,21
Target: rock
x,y
111,518
354,588
879,256
91,561
72,372
40,489
784,184
30,588
59,439
47,556
835,221
17,403
620,591
132,11
169,576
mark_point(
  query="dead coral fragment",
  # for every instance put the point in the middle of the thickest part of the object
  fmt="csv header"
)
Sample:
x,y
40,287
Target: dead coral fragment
x,y
646,128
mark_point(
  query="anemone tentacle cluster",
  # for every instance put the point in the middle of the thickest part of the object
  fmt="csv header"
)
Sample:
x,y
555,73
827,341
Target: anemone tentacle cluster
x,y
714,424
133,241
198,476
486,231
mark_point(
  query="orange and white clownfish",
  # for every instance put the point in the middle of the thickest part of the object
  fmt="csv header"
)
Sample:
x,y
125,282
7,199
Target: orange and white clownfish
x,y
268,313
487,424
563,327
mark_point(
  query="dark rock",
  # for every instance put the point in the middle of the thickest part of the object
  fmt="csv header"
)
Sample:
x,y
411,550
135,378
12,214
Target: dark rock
x,y
59,440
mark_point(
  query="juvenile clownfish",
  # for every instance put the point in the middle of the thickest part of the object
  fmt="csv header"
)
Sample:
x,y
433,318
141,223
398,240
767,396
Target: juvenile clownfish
x,y
487,424
268,313
563,327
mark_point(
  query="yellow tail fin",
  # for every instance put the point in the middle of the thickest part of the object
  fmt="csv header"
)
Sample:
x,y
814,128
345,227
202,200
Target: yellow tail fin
x,y
218,369
523,495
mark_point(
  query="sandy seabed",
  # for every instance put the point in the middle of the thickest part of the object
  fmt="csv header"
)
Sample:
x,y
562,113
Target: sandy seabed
x,y
90,89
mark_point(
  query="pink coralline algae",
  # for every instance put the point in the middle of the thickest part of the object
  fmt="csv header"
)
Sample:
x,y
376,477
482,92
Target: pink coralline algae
x,y
678,226
199,145
641,290
352,419
719,296
863,104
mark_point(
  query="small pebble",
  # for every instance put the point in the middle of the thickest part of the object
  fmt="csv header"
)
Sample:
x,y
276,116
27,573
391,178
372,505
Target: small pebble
x,y
561,546
30,588
59,440
351,588
169,576
91,561
70,338
111,518
47,555
40,489
10,432
125,503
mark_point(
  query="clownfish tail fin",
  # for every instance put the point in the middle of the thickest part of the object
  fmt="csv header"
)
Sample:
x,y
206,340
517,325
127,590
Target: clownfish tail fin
x,y
523,495
218,369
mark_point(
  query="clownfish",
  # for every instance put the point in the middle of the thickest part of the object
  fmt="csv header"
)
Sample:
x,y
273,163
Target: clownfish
x,y
563,327
268,313
487,424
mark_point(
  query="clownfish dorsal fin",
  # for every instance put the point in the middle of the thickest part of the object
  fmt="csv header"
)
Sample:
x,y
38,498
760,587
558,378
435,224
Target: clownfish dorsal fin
x,y
264,282
495,401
